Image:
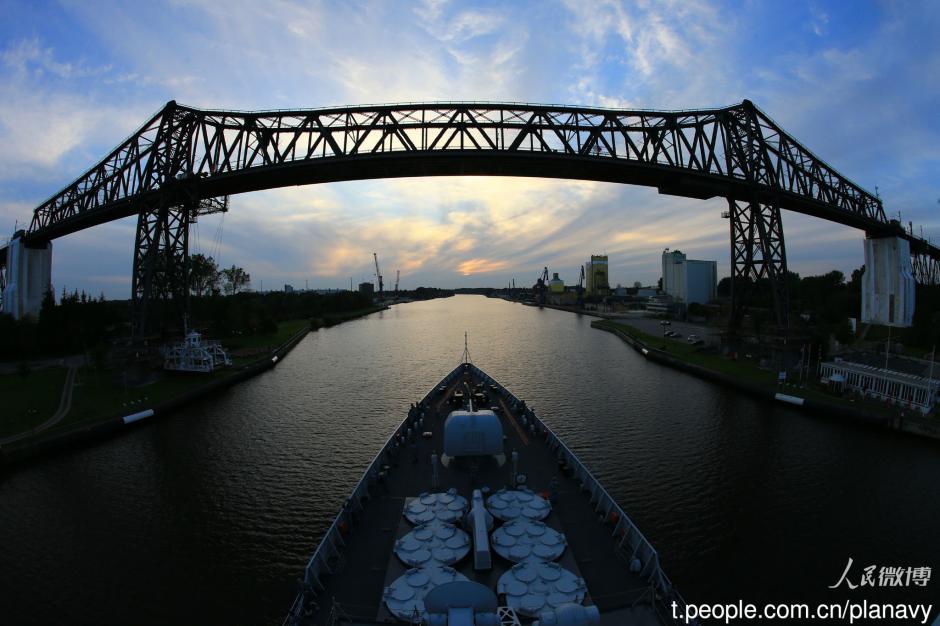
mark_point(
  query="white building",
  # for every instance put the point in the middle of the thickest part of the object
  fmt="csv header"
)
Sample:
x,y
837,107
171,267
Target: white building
x,y
689,281
916,392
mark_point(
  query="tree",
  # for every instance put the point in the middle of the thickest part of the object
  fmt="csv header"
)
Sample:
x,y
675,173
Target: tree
x,y
698,310
204,275
856,282
235,278
724,287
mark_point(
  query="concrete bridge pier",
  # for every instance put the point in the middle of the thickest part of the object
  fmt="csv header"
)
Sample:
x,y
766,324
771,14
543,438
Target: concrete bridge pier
x,y
888,282
28,277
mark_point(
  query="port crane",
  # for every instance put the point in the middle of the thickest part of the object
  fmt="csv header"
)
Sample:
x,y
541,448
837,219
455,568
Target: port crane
x,y
378,274
541,284
397,276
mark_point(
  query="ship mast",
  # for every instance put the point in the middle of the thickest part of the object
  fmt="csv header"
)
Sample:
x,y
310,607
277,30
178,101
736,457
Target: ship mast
x,y
466,349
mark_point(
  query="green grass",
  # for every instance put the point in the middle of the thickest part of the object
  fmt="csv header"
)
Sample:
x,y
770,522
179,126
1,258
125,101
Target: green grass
x,y
266,342
744,370
29,400
99,395
330,319
103,394
682,349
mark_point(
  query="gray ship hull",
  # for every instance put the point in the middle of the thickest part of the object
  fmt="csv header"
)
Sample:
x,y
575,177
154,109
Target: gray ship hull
x,y
354,565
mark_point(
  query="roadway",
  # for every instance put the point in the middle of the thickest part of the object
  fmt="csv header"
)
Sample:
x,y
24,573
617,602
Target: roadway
x,y
651,326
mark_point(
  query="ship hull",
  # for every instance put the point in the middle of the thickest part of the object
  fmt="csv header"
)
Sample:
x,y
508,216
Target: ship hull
x,y
355,562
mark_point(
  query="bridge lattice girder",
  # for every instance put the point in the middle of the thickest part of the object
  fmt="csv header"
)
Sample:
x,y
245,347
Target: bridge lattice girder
x,y
926,269
183,157
691,153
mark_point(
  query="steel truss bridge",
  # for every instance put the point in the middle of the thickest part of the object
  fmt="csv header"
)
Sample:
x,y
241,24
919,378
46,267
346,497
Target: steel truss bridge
x,y
185,162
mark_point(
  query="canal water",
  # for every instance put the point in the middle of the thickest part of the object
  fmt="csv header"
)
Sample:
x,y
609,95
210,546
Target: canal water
x,y
209,516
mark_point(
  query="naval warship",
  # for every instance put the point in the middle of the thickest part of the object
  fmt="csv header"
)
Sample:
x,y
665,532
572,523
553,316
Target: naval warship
x,y
475,513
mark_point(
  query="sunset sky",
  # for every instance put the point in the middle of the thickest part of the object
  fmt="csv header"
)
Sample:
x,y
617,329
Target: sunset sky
x,y
855,82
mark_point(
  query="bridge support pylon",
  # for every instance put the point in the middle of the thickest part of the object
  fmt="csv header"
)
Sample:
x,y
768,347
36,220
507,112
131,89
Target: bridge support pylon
x,y
758,257
27,276
160,283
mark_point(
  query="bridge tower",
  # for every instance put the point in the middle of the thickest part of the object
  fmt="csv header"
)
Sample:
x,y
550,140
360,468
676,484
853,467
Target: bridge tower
x,y
758,252
160,281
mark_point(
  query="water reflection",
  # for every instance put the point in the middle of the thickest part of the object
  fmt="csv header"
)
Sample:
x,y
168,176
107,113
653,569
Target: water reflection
x,y
210,515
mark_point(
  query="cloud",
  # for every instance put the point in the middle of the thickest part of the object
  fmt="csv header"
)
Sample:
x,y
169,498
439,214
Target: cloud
x,y
27,56
854,88
480,266
651,55
819,20
45,116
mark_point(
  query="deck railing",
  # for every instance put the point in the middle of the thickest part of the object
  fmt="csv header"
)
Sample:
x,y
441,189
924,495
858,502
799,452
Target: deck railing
x,y
329,548
638,550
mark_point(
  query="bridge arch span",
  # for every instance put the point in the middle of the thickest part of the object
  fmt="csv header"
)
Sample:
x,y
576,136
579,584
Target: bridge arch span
x,y
186,161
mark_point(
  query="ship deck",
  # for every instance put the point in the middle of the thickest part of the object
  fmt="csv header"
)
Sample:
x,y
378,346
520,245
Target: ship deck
x,y
368,564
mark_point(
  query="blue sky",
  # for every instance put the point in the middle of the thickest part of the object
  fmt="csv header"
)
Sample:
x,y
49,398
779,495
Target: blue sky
x,y
858,83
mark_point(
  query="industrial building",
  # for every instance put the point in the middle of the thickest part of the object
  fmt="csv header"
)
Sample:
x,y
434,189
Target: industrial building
x,y
367,288
662,304
689,281
595,275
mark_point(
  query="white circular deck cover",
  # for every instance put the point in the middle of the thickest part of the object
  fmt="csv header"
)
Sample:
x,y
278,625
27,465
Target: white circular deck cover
x,y
528,540
434,543
443,507
405,597
508,504
532,587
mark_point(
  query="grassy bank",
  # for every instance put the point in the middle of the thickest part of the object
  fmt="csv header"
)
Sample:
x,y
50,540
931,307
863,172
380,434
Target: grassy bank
x,y
685,351
29,400
100,395
747,371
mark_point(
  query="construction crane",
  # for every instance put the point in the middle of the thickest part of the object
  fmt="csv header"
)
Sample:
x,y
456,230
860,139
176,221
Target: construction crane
x,y
397,276
378,274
